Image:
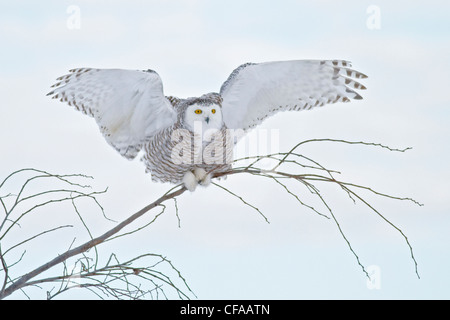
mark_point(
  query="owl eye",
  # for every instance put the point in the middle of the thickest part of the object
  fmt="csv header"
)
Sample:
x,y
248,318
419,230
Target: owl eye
x,y
213,111
198,111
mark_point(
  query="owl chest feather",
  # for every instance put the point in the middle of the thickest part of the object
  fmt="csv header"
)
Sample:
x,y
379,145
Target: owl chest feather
x,y
175,151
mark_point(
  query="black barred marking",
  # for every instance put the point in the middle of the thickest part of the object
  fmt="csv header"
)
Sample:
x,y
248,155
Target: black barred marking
x,y
150,71
234,74
173,100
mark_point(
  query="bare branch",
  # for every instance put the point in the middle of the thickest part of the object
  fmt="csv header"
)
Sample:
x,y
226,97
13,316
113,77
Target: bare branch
x,y
24,280
240,198
115,278
310,179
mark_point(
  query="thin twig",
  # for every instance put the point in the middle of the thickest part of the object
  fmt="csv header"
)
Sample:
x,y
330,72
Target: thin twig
x,y
240,198
113,279
23,281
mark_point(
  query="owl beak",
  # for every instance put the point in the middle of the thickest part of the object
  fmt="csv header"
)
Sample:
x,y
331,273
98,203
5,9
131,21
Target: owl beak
x,y
207,119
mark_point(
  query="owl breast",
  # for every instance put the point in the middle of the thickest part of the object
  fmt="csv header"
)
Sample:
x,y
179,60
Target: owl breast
x,y
175,151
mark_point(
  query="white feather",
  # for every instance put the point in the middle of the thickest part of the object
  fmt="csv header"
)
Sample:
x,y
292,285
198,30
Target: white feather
x,y
129,106
255,91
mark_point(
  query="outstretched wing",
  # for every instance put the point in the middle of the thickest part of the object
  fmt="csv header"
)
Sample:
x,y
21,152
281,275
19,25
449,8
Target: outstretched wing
x,y
129,106
255,91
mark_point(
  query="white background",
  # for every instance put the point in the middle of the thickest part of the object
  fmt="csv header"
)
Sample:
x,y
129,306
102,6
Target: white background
x,y
223,248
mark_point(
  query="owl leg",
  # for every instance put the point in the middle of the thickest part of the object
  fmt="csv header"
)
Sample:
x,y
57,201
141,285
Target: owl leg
x,y
190,181
202,176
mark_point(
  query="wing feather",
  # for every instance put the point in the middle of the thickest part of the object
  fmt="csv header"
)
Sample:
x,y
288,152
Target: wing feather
x,y
254,92
129,106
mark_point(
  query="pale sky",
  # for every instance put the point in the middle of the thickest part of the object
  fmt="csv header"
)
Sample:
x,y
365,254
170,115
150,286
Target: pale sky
x,y
223,248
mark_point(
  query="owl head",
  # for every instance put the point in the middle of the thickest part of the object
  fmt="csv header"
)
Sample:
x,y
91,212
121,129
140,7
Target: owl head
x,y
204,113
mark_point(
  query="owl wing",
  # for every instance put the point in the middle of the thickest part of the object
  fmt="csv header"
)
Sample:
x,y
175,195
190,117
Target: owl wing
x,y
129,106
254,92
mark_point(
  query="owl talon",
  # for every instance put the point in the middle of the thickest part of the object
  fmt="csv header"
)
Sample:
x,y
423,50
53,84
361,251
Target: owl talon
x,y
199,173
202,176
190,181
206,180
193,178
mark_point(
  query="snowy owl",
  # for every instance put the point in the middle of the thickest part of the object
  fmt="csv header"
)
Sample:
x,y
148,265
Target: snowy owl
x,y
188,140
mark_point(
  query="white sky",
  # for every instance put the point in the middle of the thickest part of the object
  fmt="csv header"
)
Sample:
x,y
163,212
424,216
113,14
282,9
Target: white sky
x,y
224,249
